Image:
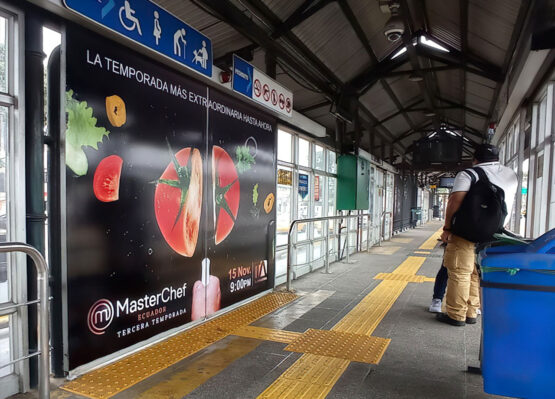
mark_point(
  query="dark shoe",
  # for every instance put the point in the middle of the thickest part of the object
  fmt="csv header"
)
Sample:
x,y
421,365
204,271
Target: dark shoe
x,y
471,320
446,319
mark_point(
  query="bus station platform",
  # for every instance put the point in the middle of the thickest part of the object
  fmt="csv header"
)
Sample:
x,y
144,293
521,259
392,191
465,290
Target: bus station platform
x,y
362,331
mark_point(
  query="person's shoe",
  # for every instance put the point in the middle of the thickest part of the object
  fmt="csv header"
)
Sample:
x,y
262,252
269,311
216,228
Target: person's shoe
x,y
478,312
446,319
435,307
471,320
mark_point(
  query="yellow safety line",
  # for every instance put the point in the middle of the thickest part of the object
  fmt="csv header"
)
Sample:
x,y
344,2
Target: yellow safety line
x,y
200,370
116,377
422,252
313,376
431,242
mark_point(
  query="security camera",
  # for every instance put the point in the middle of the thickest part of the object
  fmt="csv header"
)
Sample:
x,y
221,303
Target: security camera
x,y
394,27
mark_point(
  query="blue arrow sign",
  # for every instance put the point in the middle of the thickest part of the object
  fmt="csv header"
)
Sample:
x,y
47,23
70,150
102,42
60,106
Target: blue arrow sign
x,y
242,76
152,26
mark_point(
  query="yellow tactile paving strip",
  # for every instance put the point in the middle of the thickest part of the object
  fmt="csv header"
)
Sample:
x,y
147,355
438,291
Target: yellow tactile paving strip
x,y
410,278
267,334
422,252
431,242
353,347
313,376
116,377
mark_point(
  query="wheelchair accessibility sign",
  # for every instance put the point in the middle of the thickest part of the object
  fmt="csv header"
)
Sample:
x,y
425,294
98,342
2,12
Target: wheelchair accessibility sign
x,y
152,26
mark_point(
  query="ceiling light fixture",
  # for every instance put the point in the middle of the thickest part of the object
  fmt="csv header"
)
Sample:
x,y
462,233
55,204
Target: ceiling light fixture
x,y
416,77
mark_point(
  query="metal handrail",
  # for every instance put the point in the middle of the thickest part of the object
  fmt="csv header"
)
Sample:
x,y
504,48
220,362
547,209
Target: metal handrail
x,y
42,325
382,223
319,219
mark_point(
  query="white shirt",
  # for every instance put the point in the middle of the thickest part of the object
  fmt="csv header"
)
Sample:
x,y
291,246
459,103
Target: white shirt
x,y
497,174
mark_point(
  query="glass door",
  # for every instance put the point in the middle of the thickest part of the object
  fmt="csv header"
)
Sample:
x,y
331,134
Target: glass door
x,y
13,376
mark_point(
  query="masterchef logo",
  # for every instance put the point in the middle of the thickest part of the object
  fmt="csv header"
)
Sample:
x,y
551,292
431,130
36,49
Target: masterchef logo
x,y
102,312
100,316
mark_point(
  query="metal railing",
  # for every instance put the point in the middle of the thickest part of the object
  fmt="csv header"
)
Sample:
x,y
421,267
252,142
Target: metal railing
x,y
42,326
327,238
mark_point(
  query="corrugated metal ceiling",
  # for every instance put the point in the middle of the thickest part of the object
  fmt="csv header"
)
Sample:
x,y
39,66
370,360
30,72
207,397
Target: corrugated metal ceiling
x,y
490,27
329,35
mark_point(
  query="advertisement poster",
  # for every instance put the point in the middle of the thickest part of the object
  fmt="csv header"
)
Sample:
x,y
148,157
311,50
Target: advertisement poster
x,y
169,195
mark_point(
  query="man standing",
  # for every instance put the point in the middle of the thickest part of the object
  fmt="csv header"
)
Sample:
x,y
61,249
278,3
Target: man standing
x,y
463,295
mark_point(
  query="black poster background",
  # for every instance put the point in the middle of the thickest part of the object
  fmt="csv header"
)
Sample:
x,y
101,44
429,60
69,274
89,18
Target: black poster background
x,y
115,250
247,244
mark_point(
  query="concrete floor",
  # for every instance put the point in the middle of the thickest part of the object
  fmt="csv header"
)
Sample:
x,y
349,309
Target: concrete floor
x,y
425,359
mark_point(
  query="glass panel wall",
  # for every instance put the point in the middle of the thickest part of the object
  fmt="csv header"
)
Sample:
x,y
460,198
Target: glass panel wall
x,y
306,188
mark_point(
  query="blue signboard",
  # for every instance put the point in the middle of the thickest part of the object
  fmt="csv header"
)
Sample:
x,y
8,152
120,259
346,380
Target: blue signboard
x,y
242,76
152,26
303,185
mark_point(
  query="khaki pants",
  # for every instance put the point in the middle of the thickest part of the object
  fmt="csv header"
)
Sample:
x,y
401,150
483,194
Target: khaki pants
x,y
463,286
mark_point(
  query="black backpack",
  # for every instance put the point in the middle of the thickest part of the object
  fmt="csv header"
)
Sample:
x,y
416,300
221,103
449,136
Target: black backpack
x,y
482,211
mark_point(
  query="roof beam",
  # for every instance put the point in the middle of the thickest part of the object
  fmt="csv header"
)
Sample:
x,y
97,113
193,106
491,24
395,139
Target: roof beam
x,y
301,14
453,104
426,84
418,129
463,15
409,108
353,21
243,52
466,128
523,14
311,68
258,7
365,80
410,71
473,59
230,14
315,106
455,57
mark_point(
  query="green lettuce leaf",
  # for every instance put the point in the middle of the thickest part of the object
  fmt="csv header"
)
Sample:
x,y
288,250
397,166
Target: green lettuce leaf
x,y
245,160
81,131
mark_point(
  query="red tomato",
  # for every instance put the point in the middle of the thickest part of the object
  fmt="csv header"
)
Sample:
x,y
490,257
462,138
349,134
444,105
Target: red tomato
x,y
226,192
179,218
106,179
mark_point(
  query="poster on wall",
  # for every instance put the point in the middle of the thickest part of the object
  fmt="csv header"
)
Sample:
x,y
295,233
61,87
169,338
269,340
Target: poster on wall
x,y
243,189
167,181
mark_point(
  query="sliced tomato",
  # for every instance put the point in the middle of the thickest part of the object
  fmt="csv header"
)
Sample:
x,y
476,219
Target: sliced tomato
x,y
227,192
106,179
178,201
